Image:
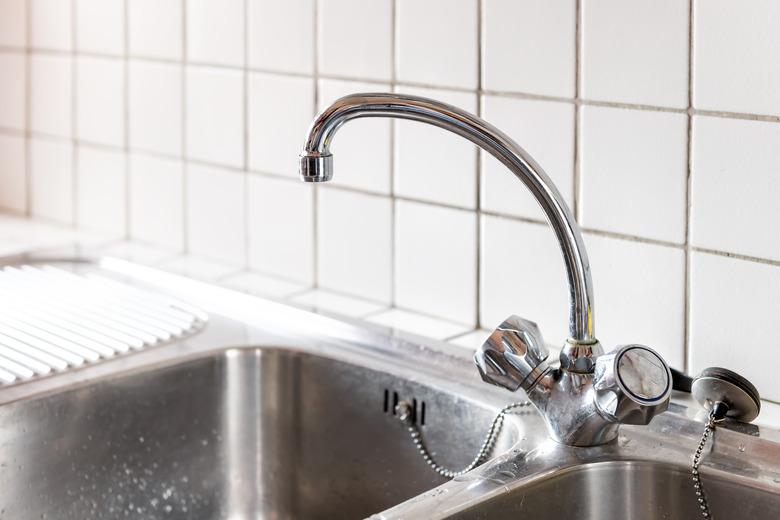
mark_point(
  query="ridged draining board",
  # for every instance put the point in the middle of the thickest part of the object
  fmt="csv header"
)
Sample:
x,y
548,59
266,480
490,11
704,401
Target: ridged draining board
x,y
52,320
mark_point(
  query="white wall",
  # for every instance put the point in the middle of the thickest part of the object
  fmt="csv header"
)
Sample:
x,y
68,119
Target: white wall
x,y
178,123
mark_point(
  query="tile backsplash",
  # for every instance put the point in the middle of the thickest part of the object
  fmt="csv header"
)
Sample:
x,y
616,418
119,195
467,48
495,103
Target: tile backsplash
x,y
178,123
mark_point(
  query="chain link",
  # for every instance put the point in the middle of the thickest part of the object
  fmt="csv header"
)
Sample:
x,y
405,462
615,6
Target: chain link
x,y
404,409
698,487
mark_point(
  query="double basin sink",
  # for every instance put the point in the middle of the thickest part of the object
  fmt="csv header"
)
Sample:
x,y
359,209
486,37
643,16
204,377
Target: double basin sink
x,y
244,422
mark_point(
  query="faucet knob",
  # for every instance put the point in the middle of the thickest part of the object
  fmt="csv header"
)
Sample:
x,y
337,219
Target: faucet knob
x,y
513,356
633,383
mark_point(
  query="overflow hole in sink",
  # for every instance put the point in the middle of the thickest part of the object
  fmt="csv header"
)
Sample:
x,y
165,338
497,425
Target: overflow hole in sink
x,y
390,406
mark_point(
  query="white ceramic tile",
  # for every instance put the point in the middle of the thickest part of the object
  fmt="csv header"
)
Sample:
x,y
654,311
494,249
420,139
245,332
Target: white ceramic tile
x,y
13,176
738,73
769,415
155,106
100,26
356,38
406,321
354,239
215,32
735,186
281,237
215,131
281,35
522,273
139,253
433,164
433,51
634,172
320,300
261,285
156,200
51,180
280,110
436,261
362,147
101,193
624,56
51,109
100,109
155,28
536,57
13,23
471,341
215,214
199,268
733,311
51,23
12,90
544,129
640,296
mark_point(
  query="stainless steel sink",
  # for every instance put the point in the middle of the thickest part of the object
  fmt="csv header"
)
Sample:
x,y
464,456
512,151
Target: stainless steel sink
x,y
273,412
241,433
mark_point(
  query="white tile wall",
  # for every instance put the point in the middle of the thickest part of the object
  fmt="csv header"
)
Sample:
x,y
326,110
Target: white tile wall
x,y
101,194
51,23
51,110
155,28
155,106
101,26
735,186
535,58
13,23
215,131
426,52
436,260
100,91
215,32
13,182
12,90
634,164
669,158
624,57
156,200
51,180
740,73
278,35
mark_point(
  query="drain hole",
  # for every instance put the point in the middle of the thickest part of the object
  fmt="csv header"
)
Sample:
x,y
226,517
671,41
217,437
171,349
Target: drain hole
x,y
395,401
414,410
422,413
387,399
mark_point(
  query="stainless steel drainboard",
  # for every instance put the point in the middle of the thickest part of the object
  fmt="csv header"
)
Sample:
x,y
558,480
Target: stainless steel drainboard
x,y
52,320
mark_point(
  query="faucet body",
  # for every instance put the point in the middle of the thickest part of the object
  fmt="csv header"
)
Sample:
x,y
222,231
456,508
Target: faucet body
x,y
591,393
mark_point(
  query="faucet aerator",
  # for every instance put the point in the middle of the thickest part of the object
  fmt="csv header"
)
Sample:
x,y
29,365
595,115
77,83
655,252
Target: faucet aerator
x,y
315,167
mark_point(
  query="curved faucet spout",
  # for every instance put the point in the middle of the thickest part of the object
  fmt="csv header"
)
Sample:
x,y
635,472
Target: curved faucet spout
x,y
316,165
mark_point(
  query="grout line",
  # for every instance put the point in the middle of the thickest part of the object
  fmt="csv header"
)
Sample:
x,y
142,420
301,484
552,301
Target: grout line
x,y
478,171
688,199
184,162
577,173
394,127
245,122
315,206
28,195
126,100
74,115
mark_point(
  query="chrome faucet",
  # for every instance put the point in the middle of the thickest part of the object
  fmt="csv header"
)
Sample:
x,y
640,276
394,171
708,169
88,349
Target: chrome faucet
x,y
586,398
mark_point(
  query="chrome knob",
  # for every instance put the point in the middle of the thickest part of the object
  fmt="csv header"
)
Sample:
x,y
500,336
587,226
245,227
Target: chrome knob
x,y
513,356
632,384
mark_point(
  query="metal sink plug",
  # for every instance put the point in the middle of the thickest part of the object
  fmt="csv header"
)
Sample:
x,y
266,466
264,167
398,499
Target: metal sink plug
x,y
586,398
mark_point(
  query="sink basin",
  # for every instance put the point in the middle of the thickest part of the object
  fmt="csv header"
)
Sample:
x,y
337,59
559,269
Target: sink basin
x,y
241,433
627,490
